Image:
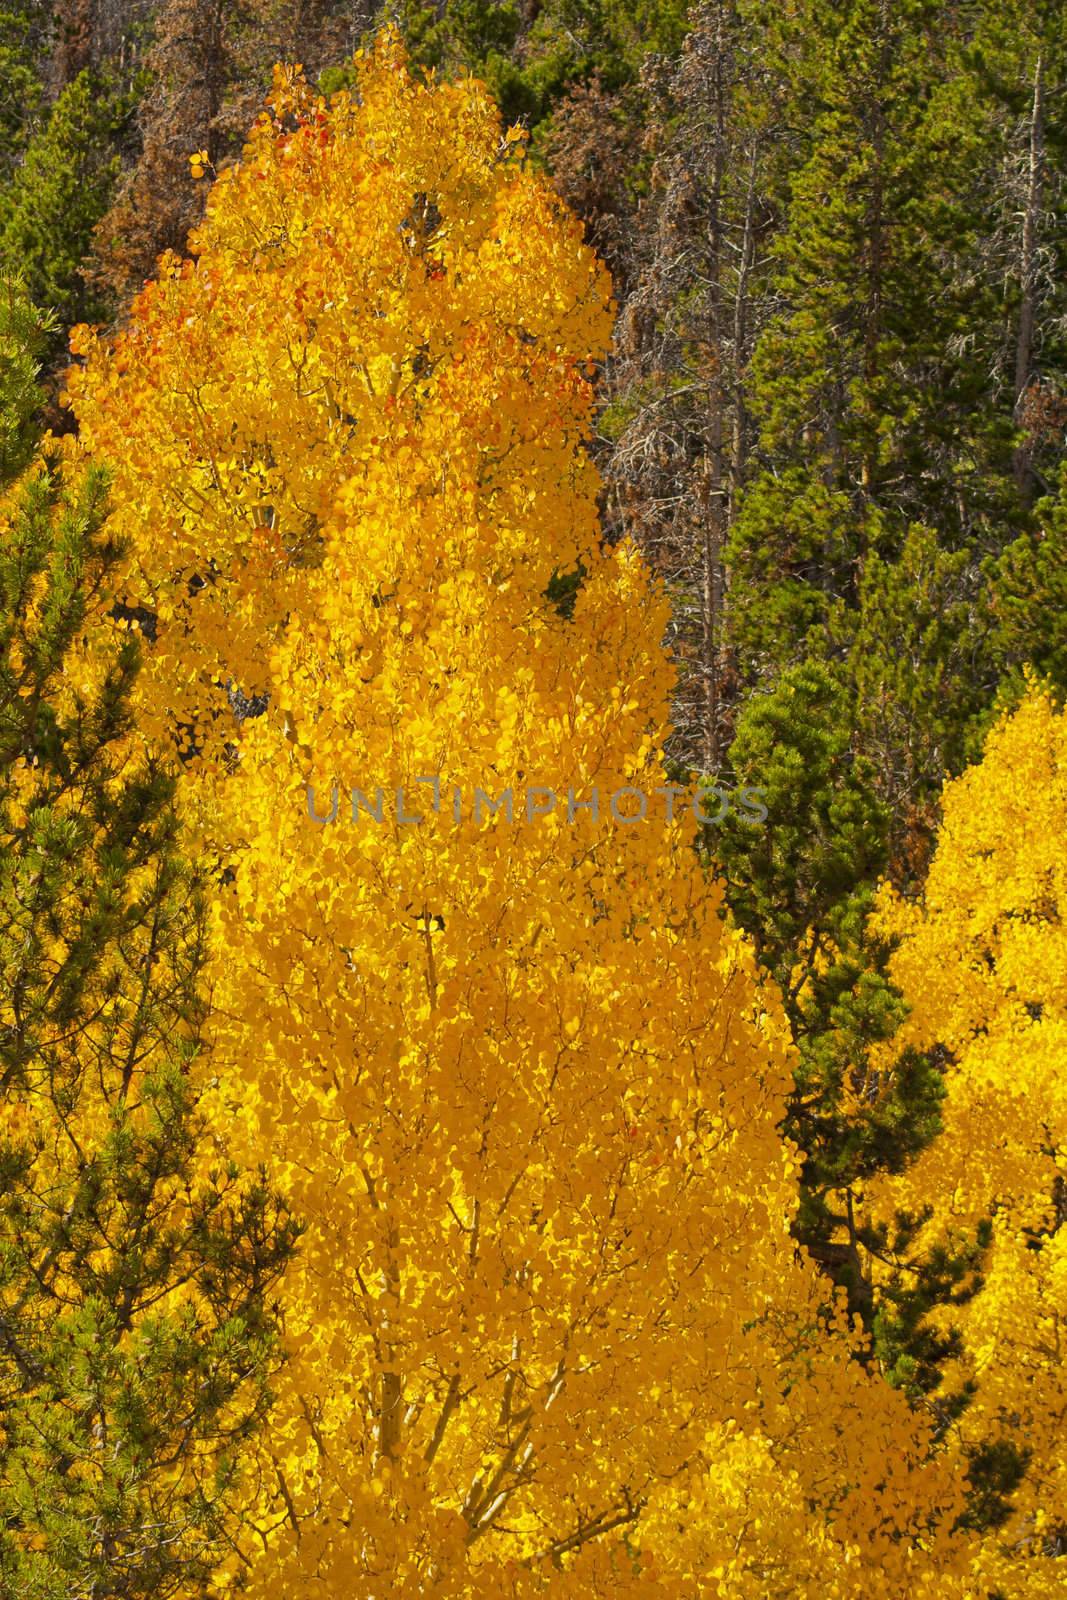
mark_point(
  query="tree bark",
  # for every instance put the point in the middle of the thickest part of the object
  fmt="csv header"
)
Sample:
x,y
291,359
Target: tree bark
x,y
1024,345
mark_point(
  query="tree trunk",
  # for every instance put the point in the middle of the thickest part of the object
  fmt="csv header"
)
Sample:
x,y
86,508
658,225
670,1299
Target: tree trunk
x,y
1024,345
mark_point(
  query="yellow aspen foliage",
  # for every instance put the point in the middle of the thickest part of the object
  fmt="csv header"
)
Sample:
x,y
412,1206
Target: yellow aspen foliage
x,y
983,965
136,1260
547,1330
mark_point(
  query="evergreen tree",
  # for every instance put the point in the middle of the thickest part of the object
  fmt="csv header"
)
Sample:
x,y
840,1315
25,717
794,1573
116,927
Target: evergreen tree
x,y
1029,600
803,887
532,55
24,335
908,389
1015,62
59,193
136,1260
20,84
867,511
870,413
924,673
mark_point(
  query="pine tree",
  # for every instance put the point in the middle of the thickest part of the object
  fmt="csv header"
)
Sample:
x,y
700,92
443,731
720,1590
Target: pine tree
x,y
21,88
25,332
1028,584
802,887
533,55
867,420
136,1260
924,670
907,390
58,194
1016,66
869,484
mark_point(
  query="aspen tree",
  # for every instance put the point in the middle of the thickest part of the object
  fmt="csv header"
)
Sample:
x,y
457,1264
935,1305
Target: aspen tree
x,y
548,1332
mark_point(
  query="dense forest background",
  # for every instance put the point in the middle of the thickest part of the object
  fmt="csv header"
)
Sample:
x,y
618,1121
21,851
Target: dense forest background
x,y
833,419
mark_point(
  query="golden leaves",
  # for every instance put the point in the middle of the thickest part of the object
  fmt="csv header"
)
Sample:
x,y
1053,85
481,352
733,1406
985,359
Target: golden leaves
x,y
521,1082
983,964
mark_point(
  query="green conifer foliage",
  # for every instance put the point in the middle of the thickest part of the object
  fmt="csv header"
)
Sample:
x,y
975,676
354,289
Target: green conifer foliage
x,y
20,84
530,55
1029,601
802,886
59,193
24,335
136,1261
872,412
